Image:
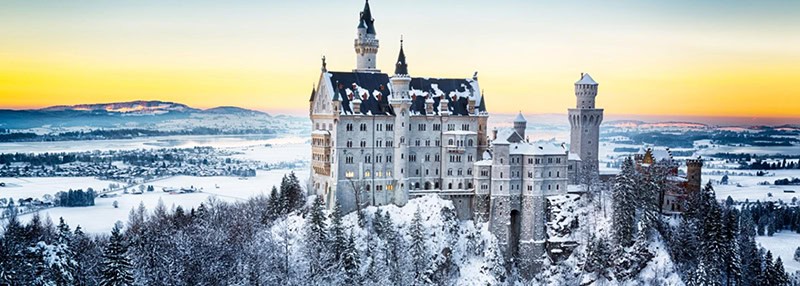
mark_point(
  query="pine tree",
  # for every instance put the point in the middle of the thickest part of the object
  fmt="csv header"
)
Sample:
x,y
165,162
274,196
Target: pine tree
x,y
117,266
770,275
731,259
275,207
597,259
418,250
350,262
782,277
338,239
624,204
316,237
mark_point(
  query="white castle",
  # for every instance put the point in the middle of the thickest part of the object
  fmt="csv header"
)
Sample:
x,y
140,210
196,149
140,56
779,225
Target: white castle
x,y
379,139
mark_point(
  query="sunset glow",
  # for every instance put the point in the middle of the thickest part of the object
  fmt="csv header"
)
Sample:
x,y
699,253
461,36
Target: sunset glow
x,y
735,58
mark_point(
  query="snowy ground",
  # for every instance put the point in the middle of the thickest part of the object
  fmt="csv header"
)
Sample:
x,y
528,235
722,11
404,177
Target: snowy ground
x,y
783,244
101,217
17,188
750,189
232,141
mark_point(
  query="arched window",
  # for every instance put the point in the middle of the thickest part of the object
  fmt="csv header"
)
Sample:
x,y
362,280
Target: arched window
x,y
469,143
416,185
450,186
450,142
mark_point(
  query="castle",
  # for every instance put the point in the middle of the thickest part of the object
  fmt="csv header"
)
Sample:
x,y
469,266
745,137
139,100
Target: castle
x,y
680,187
381,139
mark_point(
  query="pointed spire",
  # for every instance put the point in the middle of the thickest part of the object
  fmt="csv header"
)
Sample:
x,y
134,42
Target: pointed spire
x,y
324,65
313,92
366,19
482,105
520,118
401,68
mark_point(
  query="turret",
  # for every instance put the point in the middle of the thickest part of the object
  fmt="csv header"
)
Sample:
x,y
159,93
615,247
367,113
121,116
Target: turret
x,y
401,81
694,170
585,91
366,43
520,124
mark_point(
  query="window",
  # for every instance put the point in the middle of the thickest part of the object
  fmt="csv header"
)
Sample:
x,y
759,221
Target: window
x,y
388,158
437,127
469,143
366,174
367,159
349,127
436,157
438,142
427,142
427,157
451,127
416,142
449,172
363,127
450,142
379,127
389,127
412,158
349,144
349,174
558,174
348,160
363,144
422,127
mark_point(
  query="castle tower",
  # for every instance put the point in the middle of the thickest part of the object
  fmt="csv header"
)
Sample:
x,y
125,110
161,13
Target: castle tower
x,y
366,43
694,180
520,124
584,121
401,103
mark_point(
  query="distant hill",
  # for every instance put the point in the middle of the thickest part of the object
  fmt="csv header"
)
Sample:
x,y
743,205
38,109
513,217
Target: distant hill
x,y
136,114
131,107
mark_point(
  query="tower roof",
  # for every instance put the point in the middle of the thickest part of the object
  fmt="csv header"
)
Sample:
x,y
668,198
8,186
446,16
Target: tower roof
x,y
586,79
313,92
520,118
482,104
401,67
366,19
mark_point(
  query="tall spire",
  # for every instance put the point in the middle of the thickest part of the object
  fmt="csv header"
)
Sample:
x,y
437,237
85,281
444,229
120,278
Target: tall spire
x,y
365,19
401,68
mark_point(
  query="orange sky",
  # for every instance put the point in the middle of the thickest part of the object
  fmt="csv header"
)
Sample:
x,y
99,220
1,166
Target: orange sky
x,y
718,60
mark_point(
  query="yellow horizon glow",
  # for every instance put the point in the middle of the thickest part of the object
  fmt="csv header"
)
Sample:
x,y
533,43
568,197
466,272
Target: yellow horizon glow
x,y
659,68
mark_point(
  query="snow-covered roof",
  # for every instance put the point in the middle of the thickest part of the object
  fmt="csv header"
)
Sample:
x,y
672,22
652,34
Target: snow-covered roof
x,y
526,148
574,157
586,79
320,132
520,118
483,163
507,135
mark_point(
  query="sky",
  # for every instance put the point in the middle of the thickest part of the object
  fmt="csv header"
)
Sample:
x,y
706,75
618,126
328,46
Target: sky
x,y
684,58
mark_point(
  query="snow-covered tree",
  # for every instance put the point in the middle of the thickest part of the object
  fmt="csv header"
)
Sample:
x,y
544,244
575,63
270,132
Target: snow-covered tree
x,y
418,251
117,266
624,204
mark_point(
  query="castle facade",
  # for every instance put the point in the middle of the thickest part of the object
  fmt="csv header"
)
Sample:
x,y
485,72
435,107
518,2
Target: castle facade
x,y
382,139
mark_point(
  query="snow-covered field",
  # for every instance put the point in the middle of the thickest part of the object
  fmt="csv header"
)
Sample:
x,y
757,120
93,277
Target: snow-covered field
x,y
747,187
101,217
782,244
232,141
17,188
